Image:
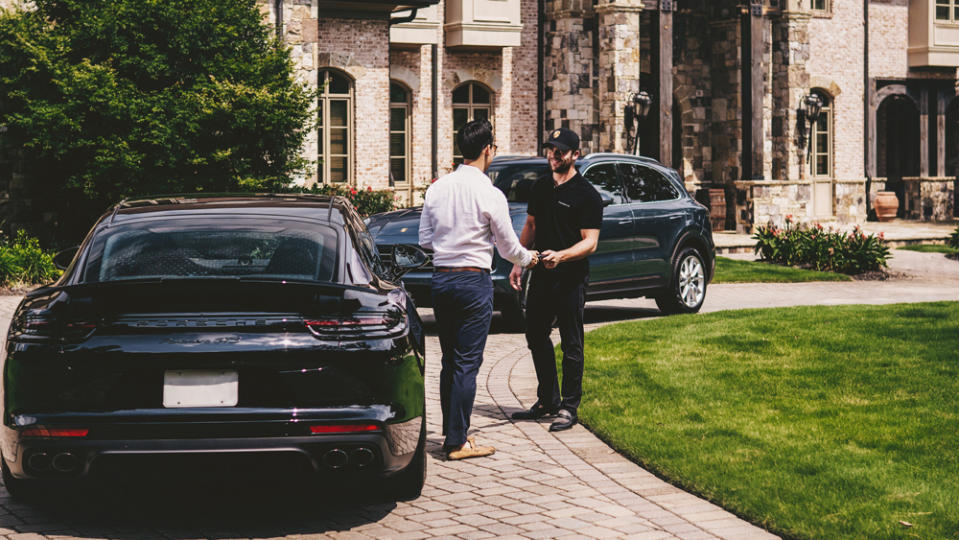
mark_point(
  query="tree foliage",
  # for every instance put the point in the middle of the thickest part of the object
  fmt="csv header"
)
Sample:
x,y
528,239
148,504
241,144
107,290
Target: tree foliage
x,y
105,99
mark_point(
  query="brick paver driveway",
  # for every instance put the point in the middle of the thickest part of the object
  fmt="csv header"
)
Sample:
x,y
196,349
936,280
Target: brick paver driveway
x,y
537,485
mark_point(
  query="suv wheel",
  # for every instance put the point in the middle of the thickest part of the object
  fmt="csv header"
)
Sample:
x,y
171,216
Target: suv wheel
x,y
687,289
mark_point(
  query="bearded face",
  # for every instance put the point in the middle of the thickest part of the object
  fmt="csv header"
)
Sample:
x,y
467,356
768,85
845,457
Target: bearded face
x,y
559,161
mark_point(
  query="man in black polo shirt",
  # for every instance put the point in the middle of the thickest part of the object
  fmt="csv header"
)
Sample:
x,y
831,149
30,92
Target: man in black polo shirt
x,y
565,215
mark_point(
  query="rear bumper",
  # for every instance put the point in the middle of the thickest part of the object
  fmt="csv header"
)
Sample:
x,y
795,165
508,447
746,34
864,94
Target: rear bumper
x,y
120,441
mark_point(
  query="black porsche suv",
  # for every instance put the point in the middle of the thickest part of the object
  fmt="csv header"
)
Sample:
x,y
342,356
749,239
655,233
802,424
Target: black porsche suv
x,y
219,326
655,241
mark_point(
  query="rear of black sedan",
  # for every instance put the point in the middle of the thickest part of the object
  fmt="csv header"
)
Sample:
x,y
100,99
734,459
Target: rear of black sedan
x,y
218,326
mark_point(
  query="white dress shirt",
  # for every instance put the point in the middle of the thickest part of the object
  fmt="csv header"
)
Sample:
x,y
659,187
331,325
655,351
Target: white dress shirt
x,y
463,215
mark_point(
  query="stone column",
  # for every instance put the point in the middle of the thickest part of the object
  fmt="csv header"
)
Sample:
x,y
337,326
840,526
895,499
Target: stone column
x,y
726,104
790,84
618,66
570,89
665,76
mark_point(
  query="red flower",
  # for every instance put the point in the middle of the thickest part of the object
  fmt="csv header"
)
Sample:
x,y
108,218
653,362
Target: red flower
x,y
369,188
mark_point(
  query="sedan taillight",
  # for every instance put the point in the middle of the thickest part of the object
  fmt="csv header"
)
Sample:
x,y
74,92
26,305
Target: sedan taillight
x,y
41,431
359,325
43,327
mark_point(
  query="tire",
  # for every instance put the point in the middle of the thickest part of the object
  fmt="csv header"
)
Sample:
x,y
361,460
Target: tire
x,y
513,308
687,288
21,490
408,483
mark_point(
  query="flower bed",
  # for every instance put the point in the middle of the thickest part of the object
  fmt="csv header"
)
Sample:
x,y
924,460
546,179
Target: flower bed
x,y
822,249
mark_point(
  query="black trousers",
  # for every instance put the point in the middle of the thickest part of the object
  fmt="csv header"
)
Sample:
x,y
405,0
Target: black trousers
x,y
556,296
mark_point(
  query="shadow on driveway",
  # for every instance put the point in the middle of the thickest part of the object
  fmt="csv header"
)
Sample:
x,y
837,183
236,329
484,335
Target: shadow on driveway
x,y
220,503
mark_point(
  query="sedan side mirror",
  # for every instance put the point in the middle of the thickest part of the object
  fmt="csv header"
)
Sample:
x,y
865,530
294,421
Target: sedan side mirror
x,y
63,258
607,199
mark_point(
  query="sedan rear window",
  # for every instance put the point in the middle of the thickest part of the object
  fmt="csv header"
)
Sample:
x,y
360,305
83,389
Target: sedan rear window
x,y
207,247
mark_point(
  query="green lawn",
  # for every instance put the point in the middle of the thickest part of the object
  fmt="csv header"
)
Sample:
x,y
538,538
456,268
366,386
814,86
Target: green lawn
x,y
814,422
932,248
737,271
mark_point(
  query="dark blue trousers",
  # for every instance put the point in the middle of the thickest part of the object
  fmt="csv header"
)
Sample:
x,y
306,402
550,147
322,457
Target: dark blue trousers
x,y
463,306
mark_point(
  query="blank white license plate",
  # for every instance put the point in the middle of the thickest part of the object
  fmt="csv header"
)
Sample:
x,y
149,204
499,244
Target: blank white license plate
x,y
201,388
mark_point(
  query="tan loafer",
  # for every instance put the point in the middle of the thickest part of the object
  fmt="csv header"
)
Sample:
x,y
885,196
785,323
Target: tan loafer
x,y
470,450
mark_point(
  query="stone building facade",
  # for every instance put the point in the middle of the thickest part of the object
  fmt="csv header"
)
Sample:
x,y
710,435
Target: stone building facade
x,y
414,72
729,82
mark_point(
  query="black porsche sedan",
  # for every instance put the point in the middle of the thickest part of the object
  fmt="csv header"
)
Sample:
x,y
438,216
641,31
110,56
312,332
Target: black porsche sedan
x,y
219,326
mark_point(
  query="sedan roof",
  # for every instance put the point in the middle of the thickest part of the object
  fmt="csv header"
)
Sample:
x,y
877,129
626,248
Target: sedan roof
x,y
294,204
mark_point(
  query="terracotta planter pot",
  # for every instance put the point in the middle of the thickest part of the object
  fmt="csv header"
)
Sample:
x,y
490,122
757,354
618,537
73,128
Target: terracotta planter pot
x,y
717,209
886,204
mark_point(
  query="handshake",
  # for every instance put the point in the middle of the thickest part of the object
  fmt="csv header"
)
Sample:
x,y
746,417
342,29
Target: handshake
x,y
549,258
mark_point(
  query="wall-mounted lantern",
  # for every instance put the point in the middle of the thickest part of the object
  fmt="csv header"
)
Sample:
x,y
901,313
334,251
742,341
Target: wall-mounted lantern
x,y
809,108
637,108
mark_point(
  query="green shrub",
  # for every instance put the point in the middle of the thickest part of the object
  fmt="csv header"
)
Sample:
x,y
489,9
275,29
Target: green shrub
x,y
23,261
107,99
366,201
954,239
821,249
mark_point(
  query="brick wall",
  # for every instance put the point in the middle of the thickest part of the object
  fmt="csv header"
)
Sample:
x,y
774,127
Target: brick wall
x,y
844,28
360,47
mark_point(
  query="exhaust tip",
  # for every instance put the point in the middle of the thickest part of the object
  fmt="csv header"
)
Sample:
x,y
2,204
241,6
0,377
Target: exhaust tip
x,y
362,457
39,461
336,458
66,462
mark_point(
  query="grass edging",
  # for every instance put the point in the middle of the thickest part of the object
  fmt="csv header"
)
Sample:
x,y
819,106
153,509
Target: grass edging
x,y
740,271
820,470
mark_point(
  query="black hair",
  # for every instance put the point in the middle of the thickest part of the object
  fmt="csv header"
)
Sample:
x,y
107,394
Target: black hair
x,y
474,137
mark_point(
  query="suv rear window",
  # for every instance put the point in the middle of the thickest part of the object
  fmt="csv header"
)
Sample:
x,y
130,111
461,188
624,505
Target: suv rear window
x,y
214,247
516,180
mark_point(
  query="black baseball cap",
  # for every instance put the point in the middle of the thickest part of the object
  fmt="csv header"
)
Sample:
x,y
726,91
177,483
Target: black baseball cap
x,y
563,138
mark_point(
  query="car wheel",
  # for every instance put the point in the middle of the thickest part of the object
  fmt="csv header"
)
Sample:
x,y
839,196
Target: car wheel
x,y
408,483
513,307
687,289
21,490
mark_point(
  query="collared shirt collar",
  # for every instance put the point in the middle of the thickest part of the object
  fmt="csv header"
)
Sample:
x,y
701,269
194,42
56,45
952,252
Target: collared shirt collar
x,y
473,170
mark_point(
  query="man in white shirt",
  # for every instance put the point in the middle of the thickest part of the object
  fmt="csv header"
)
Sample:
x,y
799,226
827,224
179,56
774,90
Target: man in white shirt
x,y
463,216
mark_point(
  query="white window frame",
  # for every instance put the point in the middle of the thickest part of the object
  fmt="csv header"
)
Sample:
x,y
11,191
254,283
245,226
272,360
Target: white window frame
x,y
471,107
825,117
407,107
952,8
324,99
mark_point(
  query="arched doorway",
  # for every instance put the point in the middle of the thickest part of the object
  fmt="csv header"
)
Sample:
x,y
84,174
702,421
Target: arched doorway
x,y
952,149
897,145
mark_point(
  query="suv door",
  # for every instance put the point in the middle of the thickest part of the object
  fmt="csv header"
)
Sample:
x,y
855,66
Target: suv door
x,y
657,219
612,262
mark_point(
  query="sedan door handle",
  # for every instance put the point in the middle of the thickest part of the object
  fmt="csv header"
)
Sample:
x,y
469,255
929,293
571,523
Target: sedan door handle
x,y
625,221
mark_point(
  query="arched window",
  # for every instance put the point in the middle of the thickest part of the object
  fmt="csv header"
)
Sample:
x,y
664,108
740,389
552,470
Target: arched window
x,y
821,142
471,101
335,116
400,127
